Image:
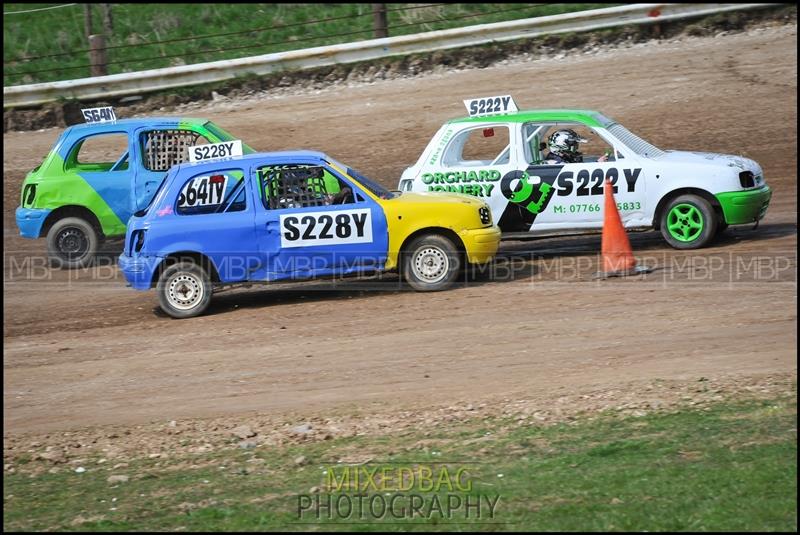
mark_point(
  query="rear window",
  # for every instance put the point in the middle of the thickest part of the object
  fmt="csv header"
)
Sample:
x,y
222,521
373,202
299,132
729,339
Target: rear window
x,y
212,193
482,146
161,149
99,153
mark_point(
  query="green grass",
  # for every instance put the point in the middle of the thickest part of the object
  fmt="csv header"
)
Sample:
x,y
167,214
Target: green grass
x,y
727,467
287,27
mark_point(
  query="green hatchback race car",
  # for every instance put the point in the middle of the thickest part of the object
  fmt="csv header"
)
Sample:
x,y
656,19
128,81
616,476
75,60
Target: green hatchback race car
x,y
99,174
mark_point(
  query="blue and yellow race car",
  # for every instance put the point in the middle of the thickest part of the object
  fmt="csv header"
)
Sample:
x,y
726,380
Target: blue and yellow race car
x,y
294,215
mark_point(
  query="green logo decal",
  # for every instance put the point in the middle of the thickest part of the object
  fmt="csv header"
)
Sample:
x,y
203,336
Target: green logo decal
x,y
545,192
523,191
474,183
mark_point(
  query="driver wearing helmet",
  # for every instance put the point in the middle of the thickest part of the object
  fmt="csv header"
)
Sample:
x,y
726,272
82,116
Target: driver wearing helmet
x,y
563,145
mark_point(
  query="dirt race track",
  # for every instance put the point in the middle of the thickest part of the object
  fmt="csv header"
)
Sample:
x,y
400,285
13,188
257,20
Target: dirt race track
x,y
81,349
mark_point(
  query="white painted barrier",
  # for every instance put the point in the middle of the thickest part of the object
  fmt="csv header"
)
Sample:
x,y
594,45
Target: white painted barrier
x,y
116,85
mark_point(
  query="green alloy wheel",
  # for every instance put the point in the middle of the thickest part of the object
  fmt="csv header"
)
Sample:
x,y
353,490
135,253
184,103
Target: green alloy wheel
x,y
689,222
685,222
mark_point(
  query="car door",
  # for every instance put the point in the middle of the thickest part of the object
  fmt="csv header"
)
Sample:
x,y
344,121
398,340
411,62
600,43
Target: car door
x,y
575,190
103,161
156,150
215,215
301,234
524,191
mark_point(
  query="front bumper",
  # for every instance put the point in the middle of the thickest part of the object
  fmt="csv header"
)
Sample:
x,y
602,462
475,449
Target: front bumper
x,y
741,207
481,244
30,221
139,270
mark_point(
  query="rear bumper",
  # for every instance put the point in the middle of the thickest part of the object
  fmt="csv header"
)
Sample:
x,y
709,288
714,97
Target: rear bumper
x,y
138,270
30,221
481,244
741,207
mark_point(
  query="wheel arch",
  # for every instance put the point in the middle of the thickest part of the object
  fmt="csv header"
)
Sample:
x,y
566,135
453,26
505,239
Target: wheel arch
x,y
199,258
446,232
71,210
708,196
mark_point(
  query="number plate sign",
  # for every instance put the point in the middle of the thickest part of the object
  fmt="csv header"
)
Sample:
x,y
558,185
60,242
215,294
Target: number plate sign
x,y
479,107
215,151
334,227
203,191
99,115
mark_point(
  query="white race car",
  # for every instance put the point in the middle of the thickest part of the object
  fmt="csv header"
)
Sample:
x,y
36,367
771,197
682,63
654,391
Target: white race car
x,y
542,173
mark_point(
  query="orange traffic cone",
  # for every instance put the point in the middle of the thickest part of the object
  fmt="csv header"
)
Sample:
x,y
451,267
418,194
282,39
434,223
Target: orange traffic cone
x,y
618,260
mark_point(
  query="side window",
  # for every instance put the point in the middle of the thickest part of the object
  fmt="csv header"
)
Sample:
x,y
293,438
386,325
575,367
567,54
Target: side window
x,y
591,149
300,186
161,149
220,192
99,153
479,146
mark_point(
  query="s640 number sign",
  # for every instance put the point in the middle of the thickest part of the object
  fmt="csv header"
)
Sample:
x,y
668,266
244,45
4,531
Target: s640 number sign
x,y
99,115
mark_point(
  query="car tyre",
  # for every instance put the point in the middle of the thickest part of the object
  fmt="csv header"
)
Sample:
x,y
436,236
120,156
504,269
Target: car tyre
x,y
431,263
72,243
688,222
184,290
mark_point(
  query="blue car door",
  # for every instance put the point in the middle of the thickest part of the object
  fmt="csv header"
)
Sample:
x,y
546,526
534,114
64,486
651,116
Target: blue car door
x,y
307,232
110,178
214,214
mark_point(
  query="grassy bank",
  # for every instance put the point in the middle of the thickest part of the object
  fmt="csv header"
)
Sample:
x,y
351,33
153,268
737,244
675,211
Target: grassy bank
x,y
139,31
728,466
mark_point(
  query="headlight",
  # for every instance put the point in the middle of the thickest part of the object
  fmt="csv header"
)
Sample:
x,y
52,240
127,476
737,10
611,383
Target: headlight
x,y
746,179
485,215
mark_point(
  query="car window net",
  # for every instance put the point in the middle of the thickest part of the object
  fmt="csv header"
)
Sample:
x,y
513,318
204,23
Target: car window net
x,y
293,187
165,148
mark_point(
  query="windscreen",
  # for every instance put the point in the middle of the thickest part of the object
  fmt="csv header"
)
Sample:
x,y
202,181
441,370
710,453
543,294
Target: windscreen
x,y
224,135
634,142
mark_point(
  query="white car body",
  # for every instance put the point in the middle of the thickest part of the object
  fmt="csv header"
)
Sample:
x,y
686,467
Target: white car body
x,y
530,198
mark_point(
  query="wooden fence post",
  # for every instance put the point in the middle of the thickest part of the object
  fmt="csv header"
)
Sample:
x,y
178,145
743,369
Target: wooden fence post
x,y
97,54
379,23
87,19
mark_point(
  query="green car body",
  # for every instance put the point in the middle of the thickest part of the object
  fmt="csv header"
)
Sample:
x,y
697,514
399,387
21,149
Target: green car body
x,y
96,194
